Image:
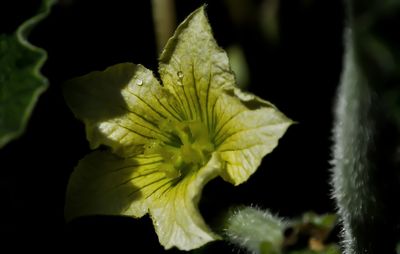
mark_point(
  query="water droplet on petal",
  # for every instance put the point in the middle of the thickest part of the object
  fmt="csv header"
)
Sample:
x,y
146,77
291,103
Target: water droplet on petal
x,y
139,82
180,78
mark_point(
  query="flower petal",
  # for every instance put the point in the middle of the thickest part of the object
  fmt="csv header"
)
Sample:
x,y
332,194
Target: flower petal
x,y
197,72
122,107
246,129
192,65
105,184
175,214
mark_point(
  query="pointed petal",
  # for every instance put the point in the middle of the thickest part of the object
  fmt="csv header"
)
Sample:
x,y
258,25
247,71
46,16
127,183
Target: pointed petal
x,y
246,129
105,184
175,214
122,107
192,65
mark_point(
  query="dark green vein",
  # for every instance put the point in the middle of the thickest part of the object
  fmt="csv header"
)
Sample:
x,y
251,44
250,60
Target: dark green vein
x,y
134,131
196,93
177,117
222,125
145,186
148,105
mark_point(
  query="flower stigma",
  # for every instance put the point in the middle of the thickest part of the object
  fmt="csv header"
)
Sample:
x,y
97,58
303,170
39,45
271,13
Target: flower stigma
x,y
189,150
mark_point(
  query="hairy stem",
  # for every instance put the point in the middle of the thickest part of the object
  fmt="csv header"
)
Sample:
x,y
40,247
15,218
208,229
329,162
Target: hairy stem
x,y
254,230
366,136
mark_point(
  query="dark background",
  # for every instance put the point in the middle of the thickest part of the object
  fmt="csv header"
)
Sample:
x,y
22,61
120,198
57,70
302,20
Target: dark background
x,y
299,74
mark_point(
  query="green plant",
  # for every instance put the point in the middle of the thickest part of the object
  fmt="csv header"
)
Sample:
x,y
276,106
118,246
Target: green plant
x,y
160,139
21,82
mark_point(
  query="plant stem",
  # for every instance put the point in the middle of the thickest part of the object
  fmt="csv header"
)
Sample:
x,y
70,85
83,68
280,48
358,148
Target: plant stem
x,y
366,137
164,21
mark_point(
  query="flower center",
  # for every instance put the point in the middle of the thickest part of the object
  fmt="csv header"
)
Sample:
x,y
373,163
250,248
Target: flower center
x,y
190,149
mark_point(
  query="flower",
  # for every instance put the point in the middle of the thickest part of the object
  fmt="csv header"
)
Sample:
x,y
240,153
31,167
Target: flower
x,y
167,141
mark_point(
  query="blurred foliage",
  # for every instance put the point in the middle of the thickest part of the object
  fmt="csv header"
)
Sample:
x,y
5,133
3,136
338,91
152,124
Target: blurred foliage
x,y
239,65
376,39
330,249
262,14
311,234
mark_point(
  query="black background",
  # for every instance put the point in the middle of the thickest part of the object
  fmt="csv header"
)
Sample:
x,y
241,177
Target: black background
x,y
299,75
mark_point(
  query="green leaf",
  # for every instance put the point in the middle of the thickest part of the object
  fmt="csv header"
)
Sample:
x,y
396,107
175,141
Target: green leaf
x,y
20,80
324,221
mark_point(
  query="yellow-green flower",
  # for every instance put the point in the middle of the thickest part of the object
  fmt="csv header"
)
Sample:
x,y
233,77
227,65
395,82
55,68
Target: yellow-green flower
x,y
168,140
